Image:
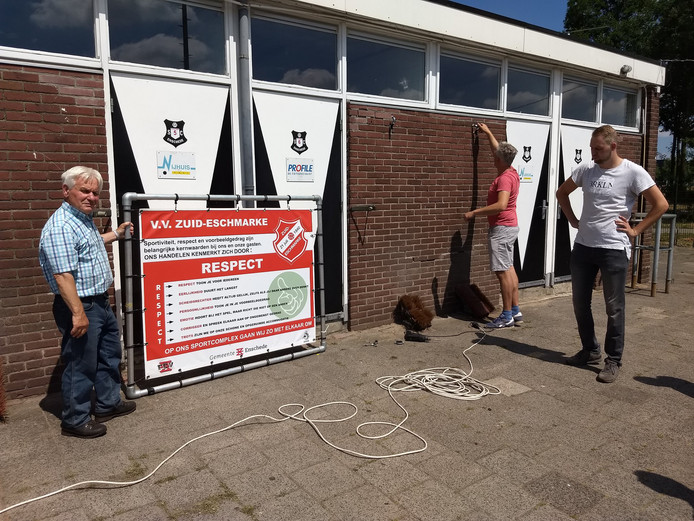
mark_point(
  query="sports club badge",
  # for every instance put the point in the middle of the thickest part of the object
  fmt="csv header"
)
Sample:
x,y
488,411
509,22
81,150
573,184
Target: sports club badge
x,y
174,132
289,241
299,142
526,154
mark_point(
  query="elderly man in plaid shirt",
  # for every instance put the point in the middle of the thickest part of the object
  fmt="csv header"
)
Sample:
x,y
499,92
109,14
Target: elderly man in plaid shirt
x,y
74,261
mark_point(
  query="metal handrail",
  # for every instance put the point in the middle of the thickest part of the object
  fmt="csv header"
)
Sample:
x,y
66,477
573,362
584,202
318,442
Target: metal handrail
x,y
637,248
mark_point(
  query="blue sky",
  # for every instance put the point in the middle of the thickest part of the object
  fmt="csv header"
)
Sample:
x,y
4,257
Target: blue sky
x,y
550,15
544,13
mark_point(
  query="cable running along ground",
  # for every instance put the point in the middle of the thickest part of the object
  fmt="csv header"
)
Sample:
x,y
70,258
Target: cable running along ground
x,y
443,381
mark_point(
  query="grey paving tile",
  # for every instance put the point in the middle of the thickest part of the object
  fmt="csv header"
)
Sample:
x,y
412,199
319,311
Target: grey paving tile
x,y
432,500
568,447
564,494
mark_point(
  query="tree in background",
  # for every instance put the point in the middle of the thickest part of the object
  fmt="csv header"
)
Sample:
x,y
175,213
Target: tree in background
x,y
660,30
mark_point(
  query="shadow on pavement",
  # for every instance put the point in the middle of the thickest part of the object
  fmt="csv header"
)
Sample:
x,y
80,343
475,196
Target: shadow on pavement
x,y
678,384
522,348
665,485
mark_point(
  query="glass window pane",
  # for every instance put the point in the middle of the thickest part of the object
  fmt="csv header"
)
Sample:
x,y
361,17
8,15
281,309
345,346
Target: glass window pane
x,y
469,83
287,53
578,100
45,25
528,92
385,70
619,107
167,34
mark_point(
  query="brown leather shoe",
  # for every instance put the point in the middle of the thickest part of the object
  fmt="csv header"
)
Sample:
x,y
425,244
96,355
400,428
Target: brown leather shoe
x,y
123,408
91,429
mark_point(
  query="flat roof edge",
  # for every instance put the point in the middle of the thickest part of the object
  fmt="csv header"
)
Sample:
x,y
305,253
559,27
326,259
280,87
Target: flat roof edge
x,y
454,23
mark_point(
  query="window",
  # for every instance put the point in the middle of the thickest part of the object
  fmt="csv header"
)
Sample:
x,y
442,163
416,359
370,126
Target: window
x,y
619,107
579,100
469,83
385,69
44,25
288,53
167,34
528,92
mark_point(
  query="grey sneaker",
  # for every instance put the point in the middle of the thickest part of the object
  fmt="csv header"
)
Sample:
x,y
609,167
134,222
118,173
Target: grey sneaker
x,y
500,322
609,372
584,357
518,318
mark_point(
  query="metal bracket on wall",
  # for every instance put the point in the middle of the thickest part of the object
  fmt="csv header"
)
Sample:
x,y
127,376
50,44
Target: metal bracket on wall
x,y
361,208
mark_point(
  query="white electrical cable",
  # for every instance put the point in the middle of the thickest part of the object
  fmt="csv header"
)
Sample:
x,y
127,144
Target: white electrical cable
x,y
443,381
448,382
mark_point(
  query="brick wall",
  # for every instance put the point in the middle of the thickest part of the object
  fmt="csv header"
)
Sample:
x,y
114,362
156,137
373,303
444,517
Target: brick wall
x,y
421,175
49,121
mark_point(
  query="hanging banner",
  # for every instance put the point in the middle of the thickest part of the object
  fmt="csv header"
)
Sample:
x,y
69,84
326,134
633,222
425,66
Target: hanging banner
x,y
530,139
575,147
220,285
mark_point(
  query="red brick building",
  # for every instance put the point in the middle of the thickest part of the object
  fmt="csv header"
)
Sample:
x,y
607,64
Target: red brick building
x,y
387,98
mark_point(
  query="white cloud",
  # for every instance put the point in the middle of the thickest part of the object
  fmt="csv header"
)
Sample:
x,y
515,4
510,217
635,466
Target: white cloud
x,y
161,50
319,78
148,11
61,13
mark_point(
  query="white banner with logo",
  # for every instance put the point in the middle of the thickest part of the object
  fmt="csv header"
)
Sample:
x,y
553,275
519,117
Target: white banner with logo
x,y
222,285
174,128
575,145
530,139
298,134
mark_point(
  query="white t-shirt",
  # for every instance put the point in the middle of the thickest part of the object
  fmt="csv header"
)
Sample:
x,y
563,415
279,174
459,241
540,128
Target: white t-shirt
x,y
608,194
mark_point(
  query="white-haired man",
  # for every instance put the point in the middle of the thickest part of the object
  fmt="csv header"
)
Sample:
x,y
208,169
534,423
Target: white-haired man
x,y
74,261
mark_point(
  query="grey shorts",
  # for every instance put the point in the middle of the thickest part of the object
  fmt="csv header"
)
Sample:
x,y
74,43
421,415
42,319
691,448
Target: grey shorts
x,y
501,240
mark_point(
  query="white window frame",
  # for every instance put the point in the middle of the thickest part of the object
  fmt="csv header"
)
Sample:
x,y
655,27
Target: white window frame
x,y
481,59
626,90
598,98
413,44
522,66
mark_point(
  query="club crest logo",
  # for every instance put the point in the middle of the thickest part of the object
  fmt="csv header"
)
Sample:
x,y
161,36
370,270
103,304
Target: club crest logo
x,y
165,366
299,142
174,132
289,241
526,154
577,157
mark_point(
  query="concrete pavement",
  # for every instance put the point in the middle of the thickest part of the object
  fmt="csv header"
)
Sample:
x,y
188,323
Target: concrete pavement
x,y
554,445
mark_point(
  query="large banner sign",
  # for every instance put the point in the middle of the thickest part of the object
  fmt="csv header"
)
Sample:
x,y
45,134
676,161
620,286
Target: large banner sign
x,y
220,285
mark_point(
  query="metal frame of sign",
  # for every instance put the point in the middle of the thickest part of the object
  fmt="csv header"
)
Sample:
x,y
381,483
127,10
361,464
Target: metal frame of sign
x,y
131,389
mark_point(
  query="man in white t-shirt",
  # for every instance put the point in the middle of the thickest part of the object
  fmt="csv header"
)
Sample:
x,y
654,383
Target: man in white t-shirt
x,y
610,187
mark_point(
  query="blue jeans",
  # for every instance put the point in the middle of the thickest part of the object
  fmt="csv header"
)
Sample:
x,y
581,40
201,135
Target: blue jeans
x,y
91,361
613,266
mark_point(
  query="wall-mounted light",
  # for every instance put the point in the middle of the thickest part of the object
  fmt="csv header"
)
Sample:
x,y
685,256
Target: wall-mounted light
x,y
626,69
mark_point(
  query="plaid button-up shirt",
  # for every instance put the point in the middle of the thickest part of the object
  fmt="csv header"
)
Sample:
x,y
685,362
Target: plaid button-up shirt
x,y
70,242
